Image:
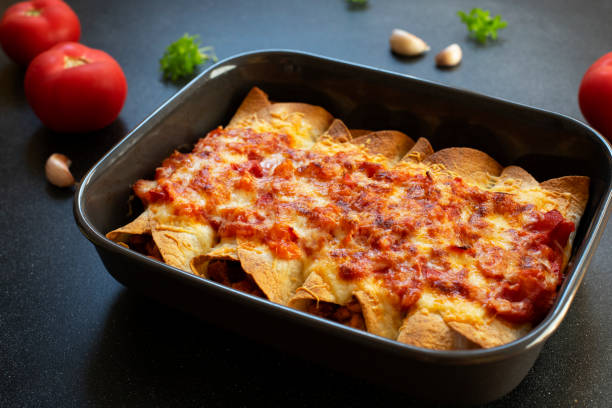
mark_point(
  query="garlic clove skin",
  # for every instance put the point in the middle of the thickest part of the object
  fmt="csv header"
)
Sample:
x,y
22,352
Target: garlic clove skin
x,y
450,56
57,172
404,43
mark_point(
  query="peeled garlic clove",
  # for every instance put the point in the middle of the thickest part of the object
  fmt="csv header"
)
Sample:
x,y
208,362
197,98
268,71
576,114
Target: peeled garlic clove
x,y
450,56
404,43
56,170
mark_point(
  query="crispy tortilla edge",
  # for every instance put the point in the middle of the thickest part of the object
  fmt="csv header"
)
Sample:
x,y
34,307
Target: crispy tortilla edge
x,y
426,329
392,144
570,193
472,165
276,278
338,132
255,101
490,334
421,150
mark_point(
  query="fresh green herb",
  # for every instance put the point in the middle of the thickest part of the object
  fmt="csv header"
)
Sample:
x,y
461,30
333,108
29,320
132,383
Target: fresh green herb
x,y
183,56
480,24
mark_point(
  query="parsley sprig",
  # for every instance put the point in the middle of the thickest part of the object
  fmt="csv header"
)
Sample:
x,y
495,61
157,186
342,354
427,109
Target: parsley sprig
x,y
183,56
481,25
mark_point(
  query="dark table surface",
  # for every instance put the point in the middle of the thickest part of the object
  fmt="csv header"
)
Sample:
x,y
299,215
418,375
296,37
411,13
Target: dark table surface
x,y
72,336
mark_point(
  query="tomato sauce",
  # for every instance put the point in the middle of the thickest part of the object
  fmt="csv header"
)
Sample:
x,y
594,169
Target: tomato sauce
x,y
404,227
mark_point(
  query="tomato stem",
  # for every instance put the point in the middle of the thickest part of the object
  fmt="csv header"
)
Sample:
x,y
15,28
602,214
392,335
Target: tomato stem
x,y
70,62
33,12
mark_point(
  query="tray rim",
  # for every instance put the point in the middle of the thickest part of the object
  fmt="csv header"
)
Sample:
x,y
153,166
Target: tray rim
x,y
579,262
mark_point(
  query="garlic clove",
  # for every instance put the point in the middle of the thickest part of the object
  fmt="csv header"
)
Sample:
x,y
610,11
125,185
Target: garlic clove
x,y
57,172
450,56
404,43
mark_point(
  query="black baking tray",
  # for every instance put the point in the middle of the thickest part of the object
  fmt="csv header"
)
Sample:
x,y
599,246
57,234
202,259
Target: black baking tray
x,y
544,143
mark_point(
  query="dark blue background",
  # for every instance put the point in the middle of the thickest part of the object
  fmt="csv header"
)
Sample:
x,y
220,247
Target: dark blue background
x,y
71,336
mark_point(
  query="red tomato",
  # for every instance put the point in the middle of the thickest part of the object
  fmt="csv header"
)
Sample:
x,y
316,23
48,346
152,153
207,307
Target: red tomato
x,y
74,88
595,95
31,27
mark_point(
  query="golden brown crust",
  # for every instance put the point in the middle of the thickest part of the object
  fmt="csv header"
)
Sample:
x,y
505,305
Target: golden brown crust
x,y
570,193
421,149
390,143
470,164
427,329
338,132
359,132
314,289
278,279
139,226
179,242
518,173
316,117
255,101
381,317
225,250
256,109
490,334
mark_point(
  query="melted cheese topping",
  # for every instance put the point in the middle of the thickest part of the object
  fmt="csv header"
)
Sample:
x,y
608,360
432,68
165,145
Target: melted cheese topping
x,y
414,232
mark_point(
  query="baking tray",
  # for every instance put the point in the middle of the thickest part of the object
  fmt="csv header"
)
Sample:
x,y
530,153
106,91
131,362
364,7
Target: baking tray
x,y
544,143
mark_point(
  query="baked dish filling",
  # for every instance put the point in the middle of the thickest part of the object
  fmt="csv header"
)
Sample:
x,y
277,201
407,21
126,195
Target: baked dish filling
x,y
444,250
